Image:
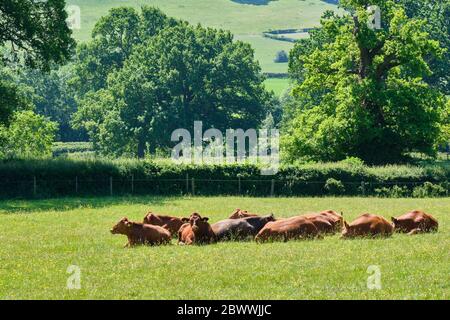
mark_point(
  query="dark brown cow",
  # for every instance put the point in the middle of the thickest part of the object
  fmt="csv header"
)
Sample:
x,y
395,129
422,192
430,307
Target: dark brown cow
x,y
286,229
239,214
173,224
415,222
367,225
326,221
196,230
139,233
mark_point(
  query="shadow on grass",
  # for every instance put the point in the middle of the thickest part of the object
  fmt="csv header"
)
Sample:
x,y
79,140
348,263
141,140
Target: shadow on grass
x,y
254,2
65,204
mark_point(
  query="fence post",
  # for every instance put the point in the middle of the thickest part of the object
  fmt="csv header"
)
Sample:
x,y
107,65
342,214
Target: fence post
x,y
132,183
272,187
363,188
34,186
193,186
76,184
239,185
187,183
110,186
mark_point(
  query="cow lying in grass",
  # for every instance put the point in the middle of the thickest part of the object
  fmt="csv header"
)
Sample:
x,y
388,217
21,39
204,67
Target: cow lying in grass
x,y
368,225
139,233
288,229
415,222
239,229
329,222
173,224
196,230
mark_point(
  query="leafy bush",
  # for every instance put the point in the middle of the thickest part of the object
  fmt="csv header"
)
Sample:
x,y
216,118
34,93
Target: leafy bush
x,y
63,176
334,187
281,57
429,189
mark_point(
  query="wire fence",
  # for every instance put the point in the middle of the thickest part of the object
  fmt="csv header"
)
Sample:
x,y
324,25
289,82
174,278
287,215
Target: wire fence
x,y
264,187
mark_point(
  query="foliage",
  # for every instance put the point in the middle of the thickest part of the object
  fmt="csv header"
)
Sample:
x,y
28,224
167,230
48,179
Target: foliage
x,y
361,91
28,136
178,75
334,187
430,190
281,57
57,177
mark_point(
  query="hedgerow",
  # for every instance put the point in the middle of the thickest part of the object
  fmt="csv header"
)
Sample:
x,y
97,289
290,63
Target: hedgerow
x,y
69,177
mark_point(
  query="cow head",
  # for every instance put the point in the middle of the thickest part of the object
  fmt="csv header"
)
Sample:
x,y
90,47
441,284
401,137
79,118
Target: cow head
x,y
122,226
269,218
149,218
197,222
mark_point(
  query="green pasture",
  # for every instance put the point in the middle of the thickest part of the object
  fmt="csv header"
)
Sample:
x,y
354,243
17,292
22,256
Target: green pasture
x,y
42,238
244,19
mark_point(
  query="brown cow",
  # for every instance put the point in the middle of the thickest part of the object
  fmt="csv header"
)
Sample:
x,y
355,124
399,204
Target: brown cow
x,y
326,221
239,214
139,233
367,225
173,224
286,229
196,230
415,222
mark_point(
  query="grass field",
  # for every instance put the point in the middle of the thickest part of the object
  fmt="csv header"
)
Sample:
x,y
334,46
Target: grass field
x,y
41,238
245,20
278,86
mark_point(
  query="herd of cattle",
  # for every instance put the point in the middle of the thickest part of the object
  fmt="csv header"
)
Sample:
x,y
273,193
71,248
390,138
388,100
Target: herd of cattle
x,y
242,225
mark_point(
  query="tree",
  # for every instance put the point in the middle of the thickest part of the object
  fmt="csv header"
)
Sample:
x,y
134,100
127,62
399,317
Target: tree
x,y
180,75
32,33
114,37
437,15
28,136
362,92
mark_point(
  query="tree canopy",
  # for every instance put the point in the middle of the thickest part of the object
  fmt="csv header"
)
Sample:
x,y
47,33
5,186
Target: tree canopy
x,y
172,76
361,91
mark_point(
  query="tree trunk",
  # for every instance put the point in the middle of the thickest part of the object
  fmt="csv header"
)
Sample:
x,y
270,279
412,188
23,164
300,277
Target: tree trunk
x,y
141,148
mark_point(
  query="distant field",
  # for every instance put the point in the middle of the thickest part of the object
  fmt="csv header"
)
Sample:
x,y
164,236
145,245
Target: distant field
x,y
246,21
40,239
278,86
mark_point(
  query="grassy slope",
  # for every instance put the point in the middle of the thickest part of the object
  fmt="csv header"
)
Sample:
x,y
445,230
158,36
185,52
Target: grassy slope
x,y
278,86
40,239
247,22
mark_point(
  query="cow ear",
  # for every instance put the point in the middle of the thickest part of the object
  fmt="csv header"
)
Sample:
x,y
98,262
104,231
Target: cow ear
x,y
393,220
346,225
205,219
128,224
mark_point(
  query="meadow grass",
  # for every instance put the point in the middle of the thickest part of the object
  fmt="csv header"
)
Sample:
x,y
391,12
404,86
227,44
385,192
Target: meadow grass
x,y
41,238
278,86
246,21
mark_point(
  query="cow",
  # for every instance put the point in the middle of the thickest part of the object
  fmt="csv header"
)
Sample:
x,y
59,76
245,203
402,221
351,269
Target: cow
x,y
239,214
139,233
173,224
367,225
328,221
415,222
196,230
286,229
237,229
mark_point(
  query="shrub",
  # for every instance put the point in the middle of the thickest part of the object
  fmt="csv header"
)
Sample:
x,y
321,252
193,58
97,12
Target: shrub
x,y
281,57
429,189
334,187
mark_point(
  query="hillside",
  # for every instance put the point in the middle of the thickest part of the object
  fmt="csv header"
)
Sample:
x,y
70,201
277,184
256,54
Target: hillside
x,y
247,19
